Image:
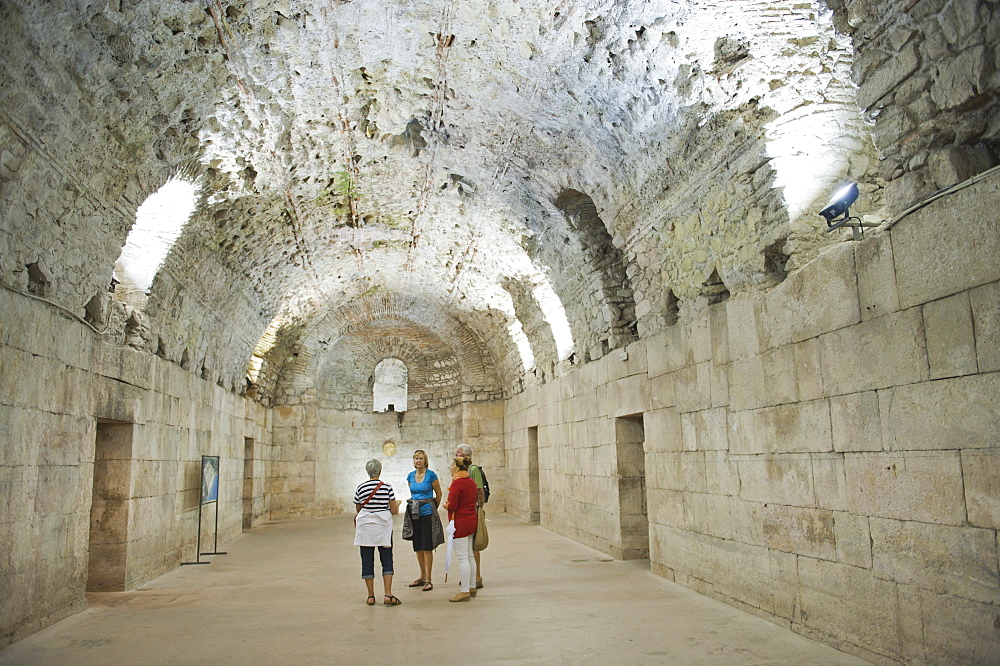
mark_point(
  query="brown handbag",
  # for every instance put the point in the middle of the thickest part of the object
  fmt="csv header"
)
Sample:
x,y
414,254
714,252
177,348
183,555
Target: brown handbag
x,y
482,539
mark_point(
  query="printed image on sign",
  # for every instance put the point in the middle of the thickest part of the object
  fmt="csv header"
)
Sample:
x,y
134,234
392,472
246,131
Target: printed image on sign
x,y
209,479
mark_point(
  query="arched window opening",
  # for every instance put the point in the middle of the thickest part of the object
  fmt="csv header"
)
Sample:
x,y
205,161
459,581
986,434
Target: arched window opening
x,y
158,223
264,345
606,262
555,316
516,331
391,386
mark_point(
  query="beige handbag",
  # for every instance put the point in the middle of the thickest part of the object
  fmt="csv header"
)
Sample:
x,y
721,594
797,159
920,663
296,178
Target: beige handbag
x,y
482,536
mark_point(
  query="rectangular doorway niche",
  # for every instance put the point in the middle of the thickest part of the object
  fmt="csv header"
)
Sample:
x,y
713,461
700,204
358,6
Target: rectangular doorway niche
x,y
534,507
109,510
630,438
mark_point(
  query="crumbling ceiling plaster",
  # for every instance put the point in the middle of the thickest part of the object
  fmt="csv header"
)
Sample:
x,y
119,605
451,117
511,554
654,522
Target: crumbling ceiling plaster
x,y
350,148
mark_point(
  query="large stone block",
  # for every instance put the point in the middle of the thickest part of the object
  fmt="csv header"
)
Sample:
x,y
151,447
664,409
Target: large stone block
x,y
711,429
663,391
854,541
906,486
849,604
719,380
877,292
18,487
722,476
746,337
679,550
981,472
830,479
719,320
20,434
689,435
676,471
949,246
986,315
33,374
698,338
943,559
951,343
963,412
742,437
794,428
772,586
694,388
637,358
820,298
666,507
806,532
629,396
61,489
781,479
709,514
808,370
959,631
748,521
855,422
764,380
878,353
671,356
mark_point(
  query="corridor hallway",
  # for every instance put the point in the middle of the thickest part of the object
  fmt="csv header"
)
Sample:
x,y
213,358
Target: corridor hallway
x,y
290,593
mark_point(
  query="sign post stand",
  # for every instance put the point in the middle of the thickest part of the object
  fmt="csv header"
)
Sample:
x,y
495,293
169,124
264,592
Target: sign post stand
x,y
209,495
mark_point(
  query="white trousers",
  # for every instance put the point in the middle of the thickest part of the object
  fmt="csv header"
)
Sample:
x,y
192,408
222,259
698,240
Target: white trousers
x,y
466,562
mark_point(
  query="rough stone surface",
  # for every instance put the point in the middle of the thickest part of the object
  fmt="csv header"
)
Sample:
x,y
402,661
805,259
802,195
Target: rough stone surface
x,y
566,222
938,558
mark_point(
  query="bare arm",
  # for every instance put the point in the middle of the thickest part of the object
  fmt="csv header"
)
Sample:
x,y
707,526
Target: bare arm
x,y
393,507
437,492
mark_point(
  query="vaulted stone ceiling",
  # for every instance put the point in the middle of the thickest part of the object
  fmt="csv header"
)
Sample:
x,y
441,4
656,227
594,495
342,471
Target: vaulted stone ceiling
x,y
447,182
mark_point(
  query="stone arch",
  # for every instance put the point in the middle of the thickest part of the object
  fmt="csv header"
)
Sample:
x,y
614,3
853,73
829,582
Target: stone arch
x,y
610,290
332,359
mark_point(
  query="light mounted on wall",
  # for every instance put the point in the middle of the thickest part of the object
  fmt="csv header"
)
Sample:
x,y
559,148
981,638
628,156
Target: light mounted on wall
x,y
837,212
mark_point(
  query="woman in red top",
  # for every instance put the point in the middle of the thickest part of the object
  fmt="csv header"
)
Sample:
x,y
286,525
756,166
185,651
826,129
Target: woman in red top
x,y
462,509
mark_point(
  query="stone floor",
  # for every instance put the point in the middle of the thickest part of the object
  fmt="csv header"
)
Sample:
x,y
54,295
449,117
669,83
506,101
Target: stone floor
x,y
290,593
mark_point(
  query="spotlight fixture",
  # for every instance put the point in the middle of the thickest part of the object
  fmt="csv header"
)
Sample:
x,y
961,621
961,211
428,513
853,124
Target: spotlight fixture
x,y
837,212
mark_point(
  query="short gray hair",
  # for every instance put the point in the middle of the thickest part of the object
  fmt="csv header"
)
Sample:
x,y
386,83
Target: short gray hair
x,y
465,449
373,467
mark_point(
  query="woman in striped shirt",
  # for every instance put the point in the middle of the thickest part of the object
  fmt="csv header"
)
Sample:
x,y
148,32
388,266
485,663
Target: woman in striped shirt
x,y
375,503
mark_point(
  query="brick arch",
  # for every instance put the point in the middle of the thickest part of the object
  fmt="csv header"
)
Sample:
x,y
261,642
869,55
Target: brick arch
x,y
344,375
335,357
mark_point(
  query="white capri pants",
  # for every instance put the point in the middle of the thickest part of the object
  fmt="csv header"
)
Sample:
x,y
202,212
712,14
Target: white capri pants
x,y
466,562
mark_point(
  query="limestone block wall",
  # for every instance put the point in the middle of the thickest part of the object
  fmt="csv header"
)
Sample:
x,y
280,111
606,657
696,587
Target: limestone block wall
x,y
320,453
578,474
66,388
824,454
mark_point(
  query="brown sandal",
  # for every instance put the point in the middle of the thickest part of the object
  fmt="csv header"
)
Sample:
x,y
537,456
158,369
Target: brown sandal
x,y
428,586
371,600
391,601
417,583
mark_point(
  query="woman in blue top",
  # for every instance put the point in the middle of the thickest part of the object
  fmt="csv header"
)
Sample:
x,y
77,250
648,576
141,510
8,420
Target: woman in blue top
x,y
424,486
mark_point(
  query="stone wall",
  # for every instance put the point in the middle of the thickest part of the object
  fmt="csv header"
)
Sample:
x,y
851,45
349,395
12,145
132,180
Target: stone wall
x,y
86,424
320,454
823,454
928,78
